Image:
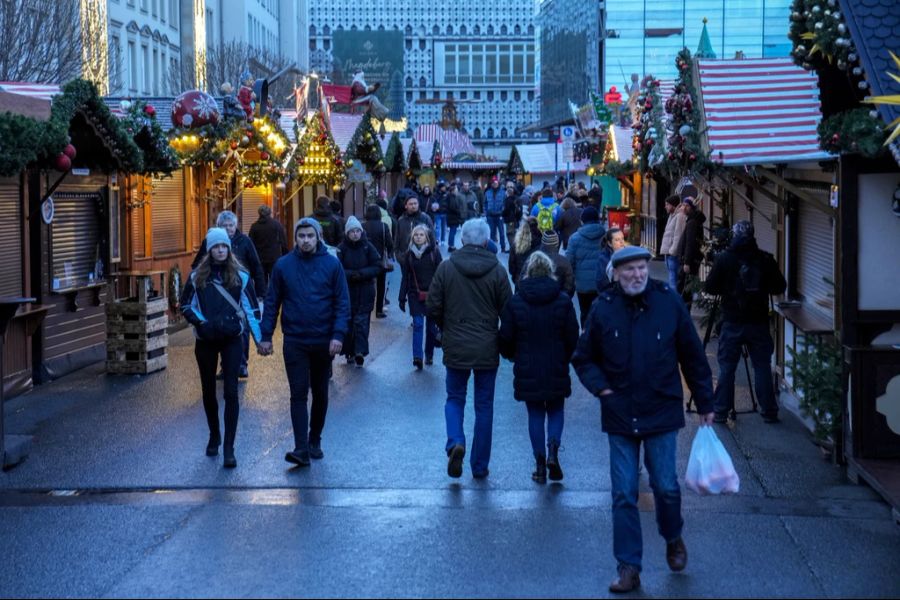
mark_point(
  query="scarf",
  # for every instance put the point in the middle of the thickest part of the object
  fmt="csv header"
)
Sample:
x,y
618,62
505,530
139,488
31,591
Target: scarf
x,y
418,251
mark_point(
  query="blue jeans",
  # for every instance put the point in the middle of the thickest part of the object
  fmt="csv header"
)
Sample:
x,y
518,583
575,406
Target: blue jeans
x,y
659,457
423,327
497,226
454,410
673,266
452,241
759,342
552,413
440,227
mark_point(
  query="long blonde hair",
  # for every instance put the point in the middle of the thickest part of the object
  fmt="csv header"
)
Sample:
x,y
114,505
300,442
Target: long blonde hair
x,y
230,274
523,237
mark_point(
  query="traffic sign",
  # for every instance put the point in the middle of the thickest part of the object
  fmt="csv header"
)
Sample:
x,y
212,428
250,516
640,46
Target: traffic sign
x,y
568,151
567,133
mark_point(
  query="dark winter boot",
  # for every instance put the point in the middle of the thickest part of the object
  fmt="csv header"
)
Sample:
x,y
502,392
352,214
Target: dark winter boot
x,y
540,469
212,447
553,467
228,453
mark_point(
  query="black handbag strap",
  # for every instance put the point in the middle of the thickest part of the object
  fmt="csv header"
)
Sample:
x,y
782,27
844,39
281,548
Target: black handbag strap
x,y
237,308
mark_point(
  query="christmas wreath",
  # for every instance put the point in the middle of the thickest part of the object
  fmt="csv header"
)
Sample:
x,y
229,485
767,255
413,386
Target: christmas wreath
x,y
853,131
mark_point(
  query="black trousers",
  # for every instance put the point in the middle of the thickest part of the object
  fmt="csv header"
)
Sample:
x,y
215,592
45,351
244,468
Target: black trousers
x,y
307,367
585,299
208,354
380,290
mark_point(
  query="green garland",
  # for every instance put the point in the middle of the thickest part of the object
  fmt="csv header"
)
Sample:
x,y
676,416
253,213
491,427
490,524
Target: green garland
x,y
28,141
819,35
853,131
141,123
615,168
685,155
649,131
316,132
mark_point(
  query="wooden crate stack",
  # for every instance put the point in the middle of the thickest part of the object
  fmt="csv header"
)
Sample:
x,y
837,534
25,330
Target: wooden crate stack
x,y
136,338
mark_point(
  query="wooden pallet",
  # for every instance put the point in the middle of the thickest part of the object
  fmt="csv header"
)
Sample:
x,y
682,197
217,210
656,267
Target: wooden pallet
x,y
137,367
132,307
136,338
136,342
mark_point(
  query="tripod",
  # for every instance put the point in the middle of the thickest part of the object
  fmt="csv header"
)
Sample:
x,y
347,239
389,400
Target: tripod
x,y
745,354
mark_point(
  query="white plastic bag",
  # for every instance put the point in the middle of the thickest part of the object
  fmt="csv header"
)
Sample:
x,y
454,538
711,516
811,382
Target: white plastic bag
x,y
710,470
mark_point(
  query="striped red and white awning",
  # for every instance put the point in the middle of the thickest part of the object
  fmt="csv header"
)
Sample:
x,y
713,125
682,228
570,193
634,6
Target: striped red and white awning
x,y
760,111
41,91
452,142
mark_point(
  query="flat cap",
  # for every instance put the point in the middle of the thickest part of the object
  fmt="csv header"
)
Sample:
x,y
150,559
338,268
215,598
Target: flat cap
x,y
628,254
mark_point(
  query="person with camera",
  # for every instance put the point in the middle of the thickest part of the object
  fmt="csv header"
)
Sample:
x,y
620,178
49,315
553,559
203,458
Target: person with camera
x,y
418,267
219,300
743,277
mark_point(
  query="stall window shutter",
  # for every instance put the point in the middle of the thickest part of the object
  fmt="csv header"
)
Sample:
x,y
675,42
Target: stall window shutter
x,y
75,238
10,239
816,255
764,216
169,219
253,198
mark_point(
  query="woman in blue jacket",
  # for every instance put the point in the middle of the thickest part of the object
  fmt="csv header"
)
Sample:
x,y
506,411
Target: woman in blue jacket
x,y
220,302
539,332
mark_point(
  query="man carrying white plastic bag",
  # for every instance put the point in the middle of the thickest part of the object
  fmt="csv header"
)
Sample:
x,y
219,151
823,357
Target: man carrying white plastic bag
x,y
636,337
710,470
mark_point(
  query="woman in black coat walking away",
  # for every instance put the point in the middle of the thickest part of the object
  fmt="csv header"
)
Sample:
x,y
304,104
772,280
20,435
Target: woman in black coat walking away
x,y
539,333
219,300
419,265
361,263
379,235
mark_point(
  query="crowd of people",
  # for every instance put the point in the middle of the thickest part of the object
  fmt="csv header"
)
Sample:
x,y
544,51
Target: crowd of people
x,y
630,340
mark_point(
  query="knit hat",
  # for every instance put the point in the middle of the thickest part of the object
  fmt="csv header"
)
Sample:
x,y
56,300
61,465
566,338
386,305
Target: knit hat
x,y
215,236
590,215
352,223
688,200
308,222
628,254
550,239
743,229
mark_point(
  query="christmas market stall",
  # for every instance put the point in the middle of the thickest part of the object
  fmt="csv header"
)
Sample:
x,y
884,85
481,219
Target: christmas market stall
x,y
396,167
535,163
454,155
75,162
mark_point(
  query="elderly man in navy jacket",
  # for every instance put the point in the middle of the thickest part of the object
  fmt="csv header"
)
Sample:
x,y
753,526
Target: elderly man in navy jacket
x,y
309,288
638,333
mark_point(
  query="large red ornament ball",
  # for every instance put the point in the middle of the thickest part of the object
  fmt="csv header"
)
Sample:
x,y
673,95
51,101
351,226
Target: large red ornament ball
x,y
69,151
194,109
149,110
264,155
62,162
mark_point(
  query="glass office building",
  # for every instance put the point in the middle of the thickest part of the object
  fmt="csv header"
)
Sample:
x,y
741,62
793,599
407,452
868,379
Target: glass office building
x,y
643,36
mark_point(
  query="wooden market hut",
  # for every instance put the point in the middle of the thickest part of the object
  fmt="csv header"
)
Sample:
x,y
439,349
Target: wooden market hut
x,y
534,163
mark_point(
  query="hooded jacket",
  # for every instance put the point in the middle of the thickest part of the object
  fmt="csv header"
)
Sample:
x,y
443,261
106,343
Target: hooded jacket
x,y
465,299
332,226
633,345
378,233
690,247
583,254
724,280
310,291
564,271
539,333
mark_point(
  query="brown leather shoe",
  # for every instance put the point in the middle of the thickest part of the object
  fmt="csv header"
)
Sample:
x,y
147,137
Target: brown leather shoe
x,y
676,555
628,580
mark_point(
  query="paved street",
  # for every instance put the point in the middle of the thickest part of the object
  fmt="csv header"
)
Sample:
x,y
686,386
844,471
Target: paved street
x,y
118,500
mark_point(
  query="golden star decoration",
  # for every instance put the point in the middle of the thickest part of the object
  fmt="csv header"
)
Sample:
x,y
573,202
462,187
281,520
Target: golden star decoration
x,y
892,99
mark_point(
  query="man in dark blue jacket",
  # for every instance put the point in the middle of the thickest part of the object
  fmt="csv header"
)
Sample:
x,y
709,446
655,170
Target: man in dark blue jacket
x,y
494,198
638,332
309,288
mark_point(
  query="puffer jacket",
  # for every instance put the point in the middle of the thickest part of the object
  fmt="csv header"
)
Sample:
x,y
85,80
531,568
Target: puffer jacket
x,y
245,252
583,253
539,332
633,345
465,299
199,306
493,201
672,235
310,292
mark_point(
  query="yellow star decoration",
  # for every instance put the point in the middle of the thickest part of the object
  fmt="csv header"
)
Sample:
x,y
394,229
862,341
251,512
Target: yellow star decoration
x,y
893,99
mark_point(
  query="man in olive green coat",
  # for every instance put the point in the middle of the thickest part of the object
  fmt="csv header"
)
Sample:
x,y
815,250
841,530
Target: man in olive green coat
x,y
465,299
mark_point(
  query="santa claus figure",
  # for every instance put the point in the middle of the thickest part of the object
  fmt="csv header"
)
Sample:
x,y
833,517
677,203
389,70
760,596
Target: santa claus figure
x,y
245,95
360,92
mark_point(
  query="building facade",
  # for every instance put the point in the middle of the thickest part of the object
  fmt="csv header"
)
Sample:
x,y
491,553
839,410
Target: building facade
x,y
643,36
481,53
149,40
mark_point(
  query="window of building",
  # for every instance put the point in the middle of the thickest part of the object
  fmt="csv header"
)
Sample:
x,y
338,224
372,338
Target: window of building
x,y
156,71
486,64
423,95
422,44
144,5
155,7
504,96
326,44
490,132
115,62
145,63
503,133
132,67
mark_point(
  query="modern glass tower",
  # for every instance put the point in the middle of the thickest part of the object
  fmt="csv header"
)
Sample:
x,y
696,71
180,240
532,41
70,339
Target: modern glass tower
x,y
643,36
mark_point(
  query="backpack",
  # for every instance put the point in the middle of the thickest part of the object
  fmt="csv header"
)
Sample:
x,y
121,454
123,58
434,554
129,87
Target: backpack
x,y
749,282
545,216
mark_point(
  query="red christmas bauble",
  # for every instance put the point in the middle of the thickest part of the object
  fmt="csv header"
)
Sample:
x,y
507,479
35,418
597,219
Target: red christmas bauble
x,y
194,109
69,151
264,155
149,110
62,162
234,145
693,157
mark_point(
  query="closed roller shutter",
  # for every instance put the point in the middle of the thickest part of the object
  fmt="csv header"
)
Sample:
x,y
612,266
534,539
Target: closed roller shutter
x,y
139,248
815,254
75,238
10,238
168,214
252,199
764,218
739,212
